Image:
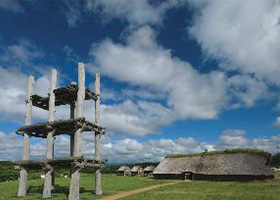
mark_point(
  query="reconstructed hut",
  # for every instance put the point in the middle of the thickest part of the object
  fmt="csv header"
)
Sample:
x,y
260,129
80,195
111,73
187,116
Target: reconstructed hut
x,y
124,171
236,165
149,170
136,170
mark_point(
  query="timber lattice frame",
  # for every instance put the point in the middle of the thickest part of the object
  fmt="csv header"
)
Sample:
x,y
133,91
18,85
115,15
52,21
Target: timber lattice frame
x,y
73,95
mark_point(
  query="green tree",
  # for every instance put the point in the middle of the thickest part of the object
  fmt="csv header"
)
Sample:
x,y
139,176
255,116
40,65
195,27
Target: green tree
x,y
276,160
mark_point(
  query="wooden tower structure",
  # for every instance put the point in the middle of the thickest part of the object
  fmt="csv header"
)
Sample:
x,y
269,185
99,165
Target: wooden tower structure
x,y
74,96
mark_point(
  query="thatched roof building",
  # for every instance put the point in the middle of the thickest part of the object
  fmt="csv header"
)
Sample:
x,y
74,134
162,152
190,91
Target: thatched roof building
x,y
123,171
136,170
149,170
240,164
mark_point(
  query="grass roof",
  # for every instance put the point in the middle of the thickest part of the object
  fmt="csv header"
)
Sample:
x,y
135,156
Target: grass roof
x,y
226,151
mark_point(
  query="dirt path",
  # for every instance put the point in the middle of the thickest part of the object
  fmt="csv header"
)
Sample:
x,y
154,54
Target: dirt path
x,y
132,192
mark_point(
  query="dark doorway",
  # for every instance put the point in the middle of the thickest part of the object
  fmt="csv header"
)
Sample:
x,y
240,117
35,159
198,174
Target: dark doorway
x,y
188,176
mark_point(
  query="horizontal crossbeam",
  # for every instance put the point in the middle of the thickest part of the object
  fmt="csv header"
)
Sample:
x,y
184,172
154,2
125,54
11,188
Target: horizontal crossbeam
x,y
60,127
63,96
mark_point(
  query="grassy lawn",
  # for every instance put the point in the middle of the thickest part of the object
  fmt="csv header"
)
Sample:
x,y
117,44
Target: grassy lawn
x,y
196,190
110,183
202,190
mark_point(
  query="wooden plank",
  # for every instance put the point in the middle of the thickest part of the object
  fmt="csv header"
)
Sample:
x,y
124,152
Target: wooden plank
x,y
49,175
53,82
77,152
72,116
98,188
22,182
81,91
74,189
48,187
26,139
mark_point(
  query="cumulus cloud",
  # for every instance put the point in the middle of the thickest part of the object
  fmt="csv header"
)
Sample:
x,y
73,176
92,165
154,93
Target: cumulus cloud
x,y
233,139
244,35
236,138
13,85
128,150
190,94
127,117
139,118
10,146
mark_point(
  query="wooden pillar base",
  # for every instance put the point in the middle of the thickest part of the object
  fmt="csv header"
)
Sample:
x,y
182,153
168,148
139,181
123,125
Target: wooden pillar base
x,y
48,184
22,182
74,190
53,180
98,188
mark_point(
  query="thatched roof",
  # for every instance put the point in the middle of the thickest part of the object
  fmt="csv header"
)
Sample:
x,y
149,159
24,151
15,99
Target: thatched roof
x,y
217,164
149,168
226,151
136,168
123,168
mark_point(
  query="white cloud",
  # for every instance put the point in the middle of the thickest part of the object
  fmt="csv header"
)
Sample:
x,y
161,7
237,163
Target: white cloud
x,y
10,146
242,34
140,118
190,94
11,5
233,139
245,90
135,12
132,11
13,84
22,53
128,150
73,12
277,122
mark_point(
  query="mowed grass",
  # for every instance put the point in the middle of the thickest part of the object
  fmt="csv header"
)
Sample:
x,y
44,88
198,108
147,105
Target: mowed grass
x,y
211,190
111,184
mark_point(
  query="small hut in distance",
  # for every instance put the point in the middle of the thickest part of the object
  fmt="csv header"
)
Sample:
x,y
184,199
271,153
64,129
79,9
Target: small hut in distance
x,y
149,170
124,171
136,170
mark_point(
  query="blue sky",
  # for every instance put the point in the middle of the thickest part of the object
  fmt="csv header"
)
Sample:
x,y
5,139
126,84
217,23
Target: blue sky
x,y
178,76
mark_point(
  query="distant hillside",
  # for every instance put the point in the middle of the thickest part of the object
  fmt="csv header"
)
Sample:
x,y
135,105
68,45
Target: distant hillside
x,y
7,171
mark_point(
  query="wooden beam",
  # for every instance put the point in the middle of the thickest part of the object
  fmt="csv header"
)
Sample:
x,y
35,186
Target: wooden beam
x,y
77,151
47,192
72,116
26,139
74,190
98,188
81,90
53,82
49,176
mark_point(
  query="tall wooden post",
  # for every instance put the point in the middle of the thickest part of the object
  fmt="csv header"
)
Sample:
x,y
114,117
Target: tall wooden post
x,y
49,176
72,116
77,152
26,139
72,135
98,189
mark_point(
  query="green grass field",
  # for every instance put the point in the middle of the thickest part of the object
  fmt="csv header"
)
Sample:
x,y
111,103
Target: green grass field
x,y
211,190
196,190
111,184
